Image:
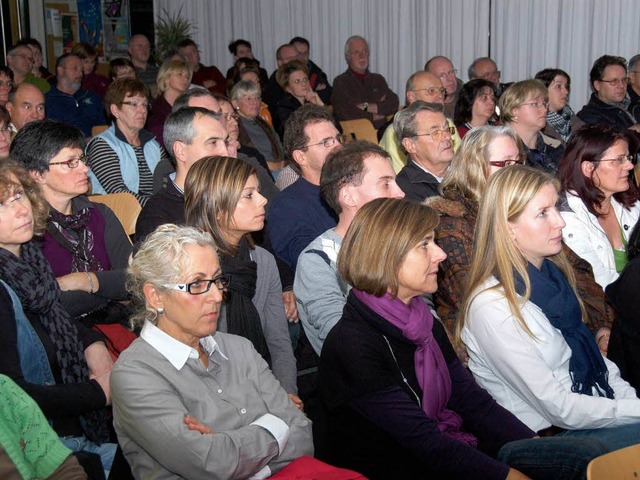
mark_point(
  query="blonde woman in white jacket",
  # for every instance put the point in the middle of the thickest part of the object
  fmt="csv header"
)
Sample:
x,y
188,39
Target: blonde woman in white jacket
x,y
601,203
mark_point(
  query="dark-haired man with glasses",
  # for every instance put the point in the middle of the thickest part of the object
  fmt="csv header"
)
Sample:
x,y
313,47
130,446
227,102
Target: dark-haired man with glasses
x,y
423,86
426,136
298,214
609,102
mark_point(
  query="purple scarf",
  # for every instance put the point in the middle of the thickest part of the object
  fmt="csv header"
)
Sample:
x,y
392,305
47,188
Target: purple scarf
x,y
415,321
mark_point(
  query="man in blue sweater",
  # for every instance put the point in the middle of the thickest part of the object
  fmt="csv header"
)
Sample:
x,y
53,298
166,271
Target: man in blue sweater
x,y
298,214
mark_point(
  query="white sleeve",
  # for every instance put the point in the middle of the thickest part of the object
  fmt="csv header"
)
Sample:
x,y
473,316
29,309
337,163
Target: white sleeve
x,y
522,365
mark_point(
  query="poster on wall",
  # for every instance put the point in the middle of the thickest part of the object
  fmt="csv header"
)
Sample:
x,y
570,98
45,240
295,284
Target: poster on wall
x,y
115,21
91,24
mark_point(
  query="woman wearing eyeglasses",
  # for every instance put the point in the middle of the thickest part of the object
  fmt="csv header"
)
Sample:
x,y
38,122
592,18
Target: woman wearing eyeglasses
x,y
476,105
222,197
61,364
293,78
523,106
85,243
601,206
188,400
124,157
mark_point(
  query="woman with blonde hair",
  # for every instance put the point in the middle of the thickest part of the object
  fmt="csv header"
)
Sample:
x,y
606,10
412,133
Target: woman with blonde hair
x,y
522,321
399,402
222,198
174,78
524,106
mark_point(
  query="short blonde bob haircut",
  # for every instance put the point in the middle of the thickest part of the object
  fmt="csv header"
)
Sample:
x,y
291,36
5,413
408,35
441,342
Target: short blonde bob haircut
x,y
10,171
161,260
514,96
379,239
168,68
469,170
495,253
212,191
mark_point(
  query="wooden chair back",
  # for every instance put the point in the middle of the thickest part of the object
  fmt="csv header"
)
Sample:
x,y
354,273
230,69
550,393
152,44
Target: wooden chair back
x,y
359,129
620,464
98,129
125,206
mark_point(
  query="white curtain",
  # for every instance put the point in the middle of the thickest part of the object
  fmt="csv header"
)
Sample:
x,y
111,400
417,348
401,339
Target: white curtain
x,y
526,35
529,35
402,34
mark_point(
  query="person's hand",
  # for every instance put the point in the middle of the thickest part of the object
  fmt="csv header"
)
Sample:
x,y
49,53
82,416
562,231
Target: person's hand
x,y
209,83
463,355
296,401
194,424
635,128
602,339
516,475
321,86
290,307
78,281
313,97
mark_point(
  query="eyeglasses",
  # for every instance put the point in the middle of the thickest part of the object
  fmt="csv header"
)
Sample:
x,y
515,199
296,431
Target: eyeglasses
x,y
437,135
303,80
507,162
74,162
358,53
229,116
5,130
330,142
23,56
616,82
489,75
621,160
27,107
202,286
432,91
8,83
453,72
137,104
544,104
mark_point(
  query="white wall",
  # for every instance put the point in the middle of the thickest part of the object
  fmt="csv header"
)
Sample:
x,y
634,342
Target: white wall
x,y
526,35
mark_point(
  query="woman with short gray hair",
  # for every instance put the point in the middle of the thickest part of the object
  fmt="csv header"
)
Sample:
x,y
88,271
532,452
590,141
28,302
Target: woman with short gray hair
x,y
188,401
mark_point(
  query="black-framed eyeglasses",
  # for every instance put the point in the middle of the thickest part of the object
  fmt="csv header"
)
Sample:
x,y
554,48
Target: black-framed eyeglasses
x,y
202,286
330,142
146,105
74,162
432,90
437,135
507,162
621,159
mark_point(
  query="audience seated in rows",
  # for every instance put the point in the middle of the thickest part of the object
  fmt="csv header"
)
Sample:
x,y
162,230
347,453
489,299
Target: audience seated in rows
x,y
476,105
317,78
358,93
124,157
426,136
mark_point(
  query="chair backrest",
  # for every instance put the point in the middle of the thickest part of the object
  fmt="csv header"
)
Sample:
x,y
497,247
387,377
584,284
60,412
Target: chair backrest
x,y
359,129
124,205
98,129
618,465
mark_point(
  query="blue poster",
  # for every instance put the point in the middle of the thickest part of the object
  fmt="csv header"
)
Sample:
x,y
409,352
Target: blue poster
x,y
90,15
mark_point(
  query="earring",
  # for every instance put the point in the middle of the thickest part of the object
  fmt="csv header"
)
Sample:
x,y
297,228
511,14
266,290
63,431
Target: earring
x,y
160,311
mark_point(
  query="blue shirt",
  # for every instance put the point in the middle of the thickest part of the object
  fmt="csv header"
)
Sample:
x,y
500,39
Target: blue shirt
x,y
83,110
297,216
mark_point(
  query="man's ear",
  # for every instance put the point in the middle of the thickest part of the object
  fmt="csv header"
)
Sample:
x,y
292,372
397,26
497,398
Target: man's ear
x,y
299,157
408,145
346,196
178,150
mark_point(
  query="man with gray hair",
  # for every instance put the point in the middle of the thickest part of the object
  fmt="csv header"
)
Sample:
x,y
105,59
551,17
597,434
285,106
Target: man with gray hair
x,y
425,134
486,68
633,88
358,93
190,133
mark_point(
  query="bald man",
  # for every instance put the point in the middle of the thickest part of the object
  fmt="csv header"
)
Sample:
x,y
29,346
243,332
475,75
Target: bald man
x,y
443,68
423,86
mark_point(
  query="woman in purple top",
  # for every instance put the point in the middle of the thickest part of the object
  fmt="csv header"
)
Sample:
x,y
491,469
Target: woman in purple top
x,y
399,402
85,243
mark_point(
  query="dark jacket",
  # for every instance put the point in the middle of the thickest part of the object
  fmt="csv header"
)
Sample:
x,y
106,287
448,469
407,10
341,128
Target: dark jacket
x,y
625,333
283,110
597,111
166,206
547,154
367,381
416,183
